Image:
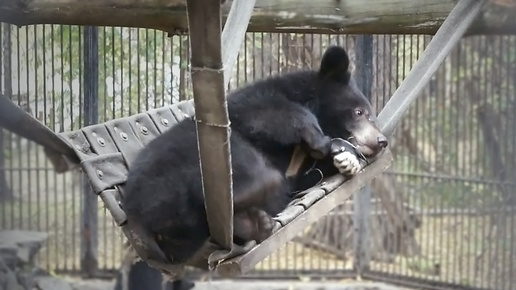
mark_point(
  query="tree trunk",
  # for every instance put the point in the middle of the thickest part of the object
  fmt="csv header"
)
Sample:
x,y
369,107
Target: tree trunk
x,y
320,16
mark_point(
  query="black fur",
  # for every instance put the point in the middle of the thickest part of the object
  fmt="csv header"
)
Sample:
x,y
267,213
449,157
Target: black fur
x,y
268,119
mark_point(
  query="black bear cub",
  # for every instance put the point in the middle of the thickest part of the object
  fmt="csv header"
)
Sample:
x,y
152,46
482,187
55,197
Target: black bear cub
x,y
269,118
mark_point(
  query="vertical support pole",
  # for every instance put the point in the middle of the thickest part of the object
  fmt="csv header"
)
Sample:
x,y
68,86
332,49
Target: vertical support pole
x,y
362,198
211,114
89,225
211,70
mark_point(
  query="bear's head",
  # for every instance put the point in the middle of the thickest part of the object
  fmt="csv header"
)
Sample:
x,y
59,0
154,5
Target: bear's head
x,y
344,111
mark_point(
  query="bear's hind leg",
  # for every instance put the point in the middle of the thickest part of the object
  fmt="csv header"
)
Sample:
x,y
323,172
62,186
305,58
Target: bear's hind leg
x,y
260,192
257,197
252,224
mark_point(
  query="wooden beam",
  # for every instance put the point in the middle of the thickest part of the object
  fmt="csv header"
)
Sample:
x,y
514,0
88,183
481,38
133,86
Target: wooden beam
x,y
452,30
316,16
16,120
333,198
217,185
211,116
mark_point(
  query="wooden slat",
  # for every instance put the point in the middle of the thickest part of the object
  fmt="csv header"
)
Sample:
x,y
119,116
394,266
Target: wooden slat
x,y
449,34
244,263
204,20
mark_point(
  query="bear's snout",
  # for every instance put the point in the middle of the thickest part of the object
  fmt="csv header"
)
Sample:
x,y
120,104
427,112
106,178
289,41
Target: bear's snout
x,y
382,141
368,139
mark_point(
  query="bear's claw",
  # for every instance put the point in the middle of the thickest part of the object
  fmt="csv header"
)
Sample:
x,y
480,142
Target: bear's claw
x,y
345,157
347,163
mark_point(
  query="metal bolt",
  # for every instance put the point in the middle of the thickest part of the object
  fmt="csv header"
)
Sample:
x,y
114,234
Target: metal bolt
x,y
144,130
100,174
123,136
101,141
164,121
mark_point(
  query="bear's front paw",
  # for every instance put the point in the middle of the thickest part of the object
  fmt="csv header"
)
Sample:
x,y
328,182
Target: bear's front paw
x,y
347,163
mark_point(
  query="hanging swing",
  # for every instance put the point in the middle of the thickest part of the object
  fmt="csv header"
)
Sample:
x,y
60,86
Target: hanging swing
x,y
105,151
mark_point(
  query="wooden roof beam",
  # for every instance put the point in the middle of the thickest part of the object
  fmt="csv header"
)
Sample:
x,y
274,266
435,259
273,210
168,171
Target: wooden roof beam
x,y
315,16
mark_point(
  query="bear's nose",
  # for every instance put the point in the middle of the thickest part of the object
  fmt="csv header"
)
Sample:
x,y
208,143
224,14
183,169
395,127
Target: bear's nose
x,y
382,141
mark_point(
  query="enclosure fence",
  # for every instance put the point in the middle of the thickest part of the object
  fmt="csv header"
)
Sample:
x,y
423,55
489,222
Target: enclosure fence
x,y
442,216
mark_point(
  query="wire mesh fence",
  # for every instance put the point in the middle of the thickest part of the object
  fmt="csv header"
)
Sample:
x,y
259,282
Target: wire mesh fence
x,y
443,214
453,179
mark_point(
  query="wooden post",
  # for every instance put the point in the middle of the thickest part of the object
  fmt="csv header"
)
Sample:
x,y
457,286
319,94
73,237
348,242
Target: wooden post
x,y
362,198
211,71
204,21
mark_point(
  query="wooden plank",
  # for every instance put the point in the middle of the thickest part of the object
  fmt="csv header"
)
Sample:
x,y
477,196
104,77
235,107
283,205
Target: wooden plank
x,y
321,16
211,117
16,120
450,33
244,263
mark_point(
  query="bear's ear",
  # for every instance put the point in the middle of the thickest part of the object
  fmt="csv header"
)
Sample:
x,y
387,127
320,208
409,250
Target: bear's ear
x,y
335,65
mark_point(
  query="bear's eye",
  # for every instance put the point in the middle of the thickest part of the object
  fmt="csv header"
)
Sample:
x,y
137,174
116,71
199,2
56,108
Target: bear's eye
x,y
359,112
